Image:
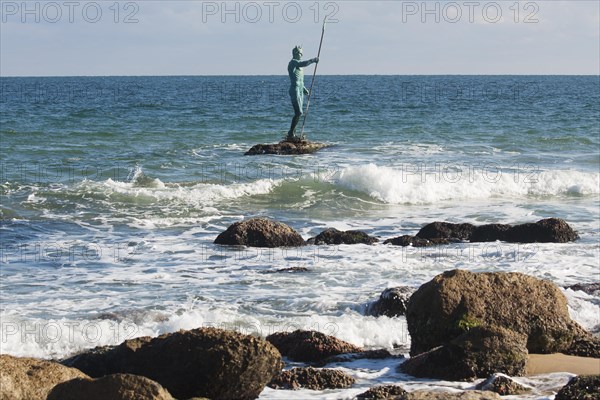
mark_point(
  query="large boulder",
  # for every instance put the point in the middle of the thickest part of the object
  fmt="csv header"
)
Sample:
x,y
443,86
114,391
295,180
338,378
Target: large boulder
x,y
31,379
260,232
392,302
550,230
113,387
309,346
446,230
479,352
312,378
334,236
452,302
286,147
583,387
205,362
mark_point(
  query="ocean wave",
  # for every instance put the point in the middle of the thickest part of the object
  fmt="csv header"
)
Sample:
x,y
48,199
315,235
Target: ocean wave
x,y
142,187
62,337
418,184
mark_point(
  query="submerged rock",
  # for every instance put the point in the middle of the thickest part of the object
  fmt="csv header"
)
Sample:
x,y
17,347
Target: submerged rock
x,y
408,240
286,147
334,236
205,362
456,301
503,385
312,378
466,395
392,302
113,387
383,392
589,288
23,378
291,270
583,387
260,232
477,353
309,346
379,354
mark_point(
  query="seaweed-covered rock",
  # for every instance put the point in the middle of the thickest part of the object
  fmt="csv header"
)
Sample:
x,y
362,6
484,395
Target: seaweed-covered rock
x,y
455,301
205,362
583,387
312,378
383,392
24,378
309,346
392,302
478,353
550,230
260,232
414,241
446,230
113,387
503,385
286,147
334,236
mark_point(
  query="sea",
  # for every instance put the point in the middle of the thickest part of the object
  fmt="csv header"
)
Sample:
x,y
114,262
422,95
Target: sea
x,y
113,190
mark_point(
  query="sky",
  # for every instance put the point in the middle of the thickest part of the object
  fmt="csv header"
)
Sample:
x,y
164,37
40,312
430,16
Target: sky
x,y
73,38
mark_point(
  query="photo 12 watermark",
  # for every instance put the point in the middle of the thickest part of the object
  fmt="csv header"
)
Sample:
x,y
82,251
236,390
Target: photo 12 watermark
x,y
470,11
66,92
473,253
253,12
106,331
65,253
48,173
53,12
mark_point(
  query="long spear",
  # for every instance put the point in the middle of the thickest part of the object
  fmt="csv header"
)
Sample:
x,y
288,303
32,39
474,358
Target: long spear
x,y
313,80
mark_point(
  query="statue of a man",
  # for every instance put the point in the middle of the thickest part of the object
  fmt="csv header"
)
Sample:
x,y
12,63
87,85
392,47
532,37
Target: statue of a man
x,y
297,89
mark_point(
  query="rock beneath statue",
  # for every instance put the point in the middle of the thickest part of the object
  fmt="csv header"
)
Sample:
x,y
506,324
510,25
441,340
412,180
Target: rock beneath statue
x,y
286,147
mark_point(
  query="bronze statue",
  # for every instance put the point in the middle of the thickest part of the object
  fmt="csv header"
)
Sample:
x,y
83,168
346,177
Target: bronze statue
x,y
297,89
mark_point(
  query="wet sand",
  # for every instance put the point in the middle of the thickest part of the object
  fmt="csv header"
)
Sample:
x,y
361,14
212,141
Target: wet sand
x,y
548,363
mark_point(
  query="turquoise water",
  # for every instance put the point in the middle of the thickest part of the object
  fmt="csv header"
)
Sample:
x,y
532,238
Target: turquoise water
x,y
113,189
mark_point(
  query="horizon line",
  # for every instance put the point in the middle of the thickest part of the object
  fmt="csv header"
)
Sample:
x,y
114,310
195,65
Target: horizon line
x,y
283,75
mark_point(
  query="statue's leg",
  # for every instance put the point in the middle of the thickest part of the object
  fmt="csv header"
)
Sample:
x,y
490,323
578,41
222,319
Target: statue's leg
x,y
297,114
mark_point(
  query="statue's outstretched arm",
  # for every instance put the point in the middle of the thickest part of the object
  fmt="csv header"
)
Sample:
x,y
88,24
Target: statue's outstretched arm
x,y
306,63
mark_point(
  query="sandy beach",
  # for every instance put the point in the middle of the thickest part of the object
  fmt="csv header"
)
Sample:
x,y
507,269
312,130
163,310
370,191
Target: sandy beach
x,y
548,363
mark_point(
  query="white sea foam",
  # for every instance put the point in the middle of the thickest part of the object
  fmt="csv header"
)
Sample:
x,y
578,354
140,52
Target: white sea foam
x,y
415,184
199,194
